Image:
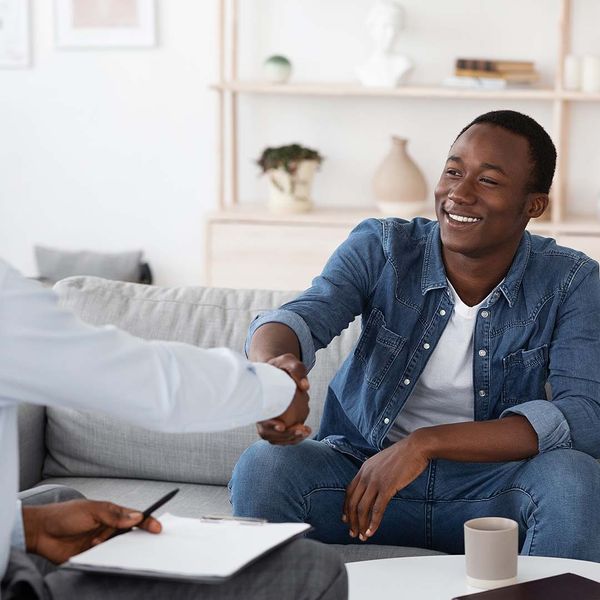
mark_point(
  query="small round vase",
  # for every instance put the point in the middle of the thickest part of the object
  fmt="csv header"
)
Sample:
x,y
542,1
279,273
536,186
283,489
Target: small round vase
x,y
398,184
290,192
277,69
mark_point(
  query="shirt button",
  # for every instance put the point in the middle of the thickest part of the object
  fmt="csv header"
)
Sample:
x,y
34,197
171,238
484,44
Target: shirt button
x,y
482,393
482,353
442,312
426,346
485,314
386,420
406,381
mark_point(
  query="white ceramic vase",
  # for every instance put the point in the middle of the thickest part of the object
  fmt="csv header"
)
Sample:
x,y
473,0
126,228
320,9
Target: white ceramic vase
x,y
398,184
290,192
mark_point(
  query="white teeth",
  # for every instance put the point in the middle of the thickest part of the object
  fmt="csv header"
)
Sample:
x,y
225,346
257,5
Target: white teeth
x,y
462,219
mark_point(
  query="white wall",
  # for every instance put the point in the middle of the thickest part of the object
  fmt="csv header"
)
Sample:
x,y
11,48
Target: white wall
x,y
113,149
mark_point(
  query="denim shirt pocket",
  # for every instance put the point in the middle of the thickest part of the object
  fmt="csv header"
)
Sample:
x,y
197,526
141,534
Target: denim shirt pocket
x,y
525,375
377,348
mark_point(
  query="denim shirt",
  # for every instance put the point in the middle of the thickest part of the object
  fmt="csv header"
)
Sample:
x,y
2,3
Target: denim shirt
x,y
540,325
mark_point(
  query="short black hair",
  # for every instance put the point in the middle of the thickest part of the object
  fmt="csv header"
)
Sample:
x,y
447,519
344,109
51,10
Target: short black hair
x,y
541,147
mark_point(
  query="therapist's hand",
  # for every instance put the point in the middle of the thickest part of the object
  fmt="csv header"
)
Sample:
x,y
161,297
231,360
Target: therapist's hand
x,y
288,428
380,477
61,530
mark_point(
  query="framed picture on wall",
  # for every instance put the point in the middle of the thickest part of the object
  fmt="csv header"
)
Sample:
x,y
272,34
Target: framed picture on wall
x,y
14,34
105,23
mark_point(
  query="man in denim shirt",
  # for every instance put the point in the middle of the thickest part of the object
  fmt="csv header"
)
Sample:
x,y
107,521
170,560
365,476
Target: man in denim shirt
x,y
441,414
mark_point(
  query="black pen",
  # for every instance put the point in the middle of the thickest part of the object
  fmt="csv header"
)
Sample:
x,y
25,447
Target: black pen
x,y
147,512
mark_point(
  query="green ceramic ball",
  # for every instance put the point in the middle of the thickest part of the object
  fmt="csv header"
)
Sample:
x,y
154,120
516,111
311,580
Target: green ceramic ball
x,y
277,69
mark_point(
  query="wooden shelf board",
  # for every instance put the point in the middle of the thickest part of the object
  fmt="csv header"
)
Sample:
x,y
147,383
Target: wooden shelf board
x,y
352,89
348,216
580,96
259,213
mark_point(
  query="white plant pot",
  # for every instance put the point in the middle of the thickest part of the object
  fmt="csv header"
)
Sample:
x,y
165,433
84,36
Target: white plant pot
x,y
290,193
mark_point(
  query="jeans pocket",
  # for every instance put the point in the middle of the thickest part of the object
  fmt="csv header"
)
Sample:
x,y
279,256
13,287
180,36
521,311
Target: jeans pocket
x,y
525,375
377,348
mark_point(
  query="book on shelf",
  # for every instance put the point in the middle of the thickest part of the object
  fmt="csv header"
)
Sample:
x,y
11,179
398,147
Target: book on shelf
x,y
508,77
514,72
495,65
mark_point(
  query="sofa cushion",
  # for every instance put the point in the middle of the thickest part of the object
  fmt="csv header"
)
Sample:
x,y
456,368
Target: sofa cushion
x,y
191,501
54,264
86,445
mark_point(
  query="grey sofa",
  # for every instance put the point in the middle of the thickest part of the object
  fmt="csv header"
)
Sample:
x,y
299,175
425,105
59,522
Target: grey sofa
x,y
108,459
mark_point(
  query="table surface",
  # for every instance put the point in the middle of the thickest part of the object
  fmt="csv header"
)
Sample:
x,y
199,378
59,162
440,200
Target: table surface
x,y
443,577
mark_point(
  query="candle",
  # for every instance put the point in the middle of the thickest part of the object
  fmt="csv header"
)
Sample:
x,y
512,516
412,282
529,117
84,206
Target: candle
x,y
590,74
572,73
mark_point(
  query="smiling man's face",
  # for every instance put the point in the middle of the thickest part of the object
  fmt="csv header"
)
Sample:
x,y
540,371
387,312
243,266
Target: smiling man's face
x,y
482,199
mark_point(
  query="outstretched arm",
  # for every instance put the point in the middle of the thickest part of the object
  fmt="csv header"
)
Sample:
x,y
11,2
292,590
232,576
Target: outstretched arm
x,y
49,357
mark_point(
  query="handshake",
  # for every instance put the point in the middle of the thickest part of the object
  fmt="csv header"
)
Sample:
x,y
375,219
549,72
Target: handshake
x,y
289,428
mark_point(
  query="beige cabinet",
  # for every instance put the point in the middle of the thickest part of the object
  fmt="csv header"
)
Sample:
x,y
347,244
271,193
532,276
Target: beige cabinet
x,y
250,248
585,243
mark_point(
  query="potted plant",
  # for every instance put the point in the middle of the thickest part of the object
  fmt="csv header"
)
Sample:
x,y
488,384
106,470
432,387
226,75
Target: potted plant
x,y
290,171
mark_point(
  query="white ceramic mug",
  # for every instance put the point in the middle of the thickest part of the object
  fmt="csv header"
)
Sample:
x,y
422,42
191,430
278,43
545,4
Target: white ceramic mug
x,y
491,552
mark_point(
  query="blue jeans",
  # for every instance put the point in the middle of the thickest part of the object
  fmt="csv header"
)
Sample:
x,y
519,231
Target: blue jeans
x,y
552,496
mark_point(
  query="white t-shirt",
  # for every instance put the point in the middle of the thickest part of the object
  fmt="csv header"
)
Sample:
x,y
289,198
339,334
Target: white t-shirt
x,y
49,357
444,392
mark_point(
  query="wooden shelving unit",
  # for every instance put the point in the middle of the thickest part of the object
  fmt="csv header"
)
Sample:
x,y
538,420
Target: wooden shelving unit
x,y
230,212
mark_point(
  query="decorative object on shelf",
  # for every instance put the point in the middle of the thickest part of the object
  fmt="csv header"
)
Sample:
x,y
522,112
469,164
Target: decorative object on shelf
x,y
290,171
492,74
590,74
105,23
572,73
14,34
277,69
385,67
399,185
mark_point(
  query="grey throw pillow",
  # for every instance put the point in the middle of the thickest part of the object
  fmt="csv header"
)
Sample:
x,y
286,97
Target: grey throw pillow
x,y
54,265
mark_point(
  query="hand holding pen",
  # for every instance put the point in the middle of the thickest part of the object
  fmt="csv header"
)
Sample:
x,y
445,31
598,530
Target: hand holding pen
x,y
146,514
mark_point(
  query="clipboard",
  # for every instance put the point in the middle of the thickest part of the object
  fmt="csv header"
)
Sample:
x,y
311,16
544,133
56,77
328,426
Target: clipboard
x,y
206,550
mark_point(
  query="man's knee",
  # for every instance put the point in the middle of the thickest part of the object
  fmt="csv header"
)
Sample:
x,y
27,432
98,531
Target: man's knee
x,y
269,481
566,477
266,467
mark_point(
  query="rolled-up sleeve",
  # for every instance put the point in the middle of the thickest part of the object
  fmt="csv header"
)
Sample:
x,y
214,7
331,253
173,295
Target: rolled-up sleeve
x,y
547,421
296,323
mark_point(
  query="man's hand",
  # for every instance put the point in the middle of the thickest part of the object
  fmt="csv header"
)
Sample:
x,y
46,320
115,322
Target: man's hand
x,y
380,477
59,531
288,428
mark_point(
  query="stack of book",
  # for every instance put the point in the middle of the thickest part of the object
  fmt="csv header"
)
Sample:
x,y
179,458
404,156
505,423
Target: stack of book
x,y
492,74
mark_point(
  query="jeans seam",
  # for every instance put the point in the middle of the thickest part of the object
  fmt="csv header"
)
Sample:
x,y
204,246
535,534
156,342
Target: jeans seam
x,y
515,488
429,505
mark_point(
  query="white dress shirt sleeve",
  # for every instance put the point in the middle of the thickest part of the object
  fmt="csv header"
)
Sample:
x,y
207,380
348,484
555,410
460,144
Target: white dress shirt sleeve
x,y
49,357
17,537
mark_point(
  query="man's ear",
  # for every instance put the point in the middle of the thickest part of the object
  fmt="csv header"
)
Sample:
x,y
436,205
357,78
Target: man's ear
x,y
536,205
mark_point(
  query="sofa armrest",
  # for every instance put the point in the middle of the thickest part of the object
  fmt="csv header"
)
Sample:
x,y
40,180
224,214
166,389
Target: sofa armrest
x,y
32,444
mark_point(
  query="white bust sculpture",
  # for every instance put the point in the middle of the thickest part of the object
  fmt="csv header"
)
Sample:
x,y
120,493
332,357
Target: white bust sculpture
x,y
385,67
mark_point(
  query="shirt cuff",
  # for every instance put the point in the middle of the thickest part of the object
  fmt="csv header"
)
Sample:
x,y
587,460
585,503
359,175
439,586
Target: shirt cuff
x,y
17,536
278,390
548,422
296,323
